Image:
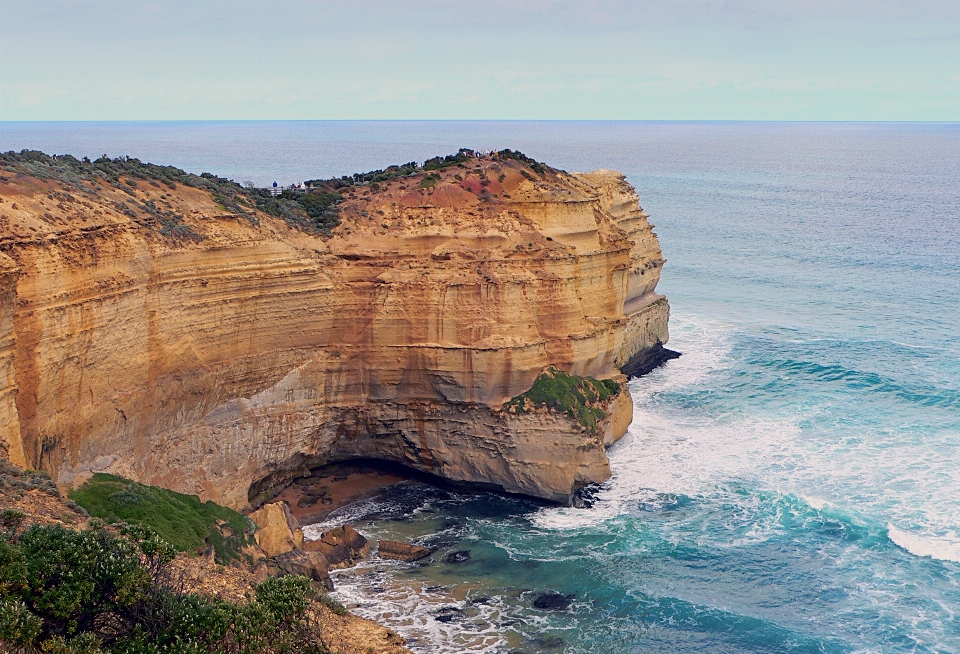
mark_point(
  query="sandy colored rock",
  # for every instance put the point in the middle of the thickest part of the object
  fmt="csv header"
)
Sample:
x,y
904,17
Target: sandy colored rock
x,y
347,537
11,446
313,565
213,364
276,529
391,549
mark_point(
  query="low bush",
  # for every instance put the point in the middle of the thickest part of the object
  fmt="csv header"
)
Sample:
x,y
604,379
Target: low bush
x,y
96,591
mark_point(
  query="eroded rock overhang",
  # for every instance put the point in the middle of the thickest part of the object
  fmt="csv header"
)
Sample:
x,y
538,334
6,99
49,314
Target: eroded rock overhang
x,y
207,365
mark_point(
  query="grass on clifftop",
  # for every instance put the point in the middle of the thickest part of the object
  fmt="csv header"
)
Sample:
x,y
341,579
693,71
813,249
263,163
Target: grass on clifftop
x,y
181,520
575,396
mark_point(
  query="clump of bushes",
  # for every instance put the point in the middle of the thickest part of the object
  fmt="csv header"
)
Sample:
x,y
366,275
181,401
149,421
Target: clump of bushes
x,y
183,521
439,163
516,155
580,398
14,481
317,215
104,591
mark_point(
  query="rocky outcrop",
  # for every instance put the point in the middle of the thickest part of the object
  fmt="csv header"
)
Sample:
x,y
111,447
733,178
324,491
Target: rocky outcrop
x,y
220,351
392,549
341,546
277,530
312,565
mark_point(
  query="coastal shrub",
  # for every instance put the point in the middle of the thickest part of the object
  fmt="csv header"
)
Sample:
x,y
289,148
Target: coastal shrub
x,y
516,155
93,591
182,520
439,163
314,211
577,397
429,181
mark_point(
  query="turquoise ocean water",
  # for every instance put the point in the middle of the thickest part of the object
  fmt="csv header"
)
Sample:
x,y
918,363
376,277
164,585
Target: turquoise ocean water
x,y
790,484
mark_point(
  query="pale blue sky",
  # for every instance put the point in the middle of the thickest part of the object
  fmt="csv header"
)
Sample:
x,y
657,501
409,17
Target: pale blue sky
x,y
493,59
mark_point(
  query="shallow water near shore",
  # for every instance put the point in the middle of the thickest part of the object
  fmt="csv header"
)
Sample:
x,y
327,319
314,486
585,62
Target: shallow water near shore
x,y
790,484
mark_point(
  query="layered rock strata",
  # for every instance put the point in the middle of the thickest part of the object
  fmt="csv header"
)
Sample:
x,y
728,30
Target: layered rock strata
x,y
251,349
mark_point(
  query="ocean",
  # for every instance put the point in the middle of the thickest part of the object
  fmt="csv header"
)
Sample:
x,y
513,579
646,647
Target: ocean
x,y
790,484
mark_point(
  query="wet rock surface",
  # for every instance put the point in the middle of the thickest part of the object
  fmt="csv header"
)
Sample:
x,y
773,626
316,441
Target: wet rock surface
x,y
460,556
648,361
552,602
391,549
341,546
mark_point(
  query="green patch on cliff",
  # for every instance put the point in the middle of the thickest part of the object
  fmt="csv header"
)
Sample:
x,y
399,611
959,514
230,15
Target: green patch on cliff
x,y
181,520
575,396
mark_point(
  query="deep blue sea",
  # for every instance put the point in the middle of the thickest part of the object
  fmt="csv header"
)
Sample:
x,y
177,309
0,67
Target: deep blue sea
x,y
790,484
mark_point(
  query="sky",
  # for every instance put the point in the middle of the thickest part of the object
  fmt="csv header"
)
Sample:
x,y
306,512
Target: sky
x,y
480,59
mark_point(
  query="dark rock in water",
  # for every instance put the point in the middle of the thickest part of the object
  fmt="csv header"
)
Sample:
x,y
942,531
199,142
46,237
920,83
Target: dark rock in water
x,y
548,642
552,602
342,546
313,565
457,557
399,502
448,614
441,541
480,600
391,549
647,361
585,497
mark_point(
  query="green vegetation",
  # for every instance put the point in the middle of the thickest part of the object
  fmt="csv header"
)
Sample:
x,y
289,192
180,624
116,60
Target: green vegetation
x,y
516,155
439,163
575,396
429,181
314,211
316,215
105,591
372,177
185,522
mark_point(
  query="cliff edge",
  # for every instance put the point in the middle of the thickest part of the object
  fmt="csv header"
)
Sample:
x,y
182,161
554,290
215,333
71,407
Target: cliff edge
x,y
155,326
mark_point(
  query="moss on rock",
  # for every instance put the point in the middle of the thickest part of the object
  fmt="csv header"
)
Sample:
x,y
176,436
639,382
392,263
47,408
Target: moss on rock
x,y
580,398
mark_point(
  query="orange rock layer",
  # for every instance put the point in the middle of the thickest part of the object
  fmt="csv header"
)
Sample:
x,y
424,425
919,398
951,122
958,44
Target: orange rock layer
x,y
211,365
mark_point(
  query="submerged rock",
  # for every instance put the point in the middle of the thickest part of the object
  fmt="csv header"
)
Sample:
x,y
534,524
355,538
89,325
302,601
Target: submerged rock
x,y
391,549
449,614
548,642
553,602
460,556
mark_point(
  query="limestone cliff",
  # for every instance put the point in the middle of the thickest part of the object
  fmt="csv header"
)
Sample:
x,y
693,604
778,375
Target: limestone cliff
x,y
215,352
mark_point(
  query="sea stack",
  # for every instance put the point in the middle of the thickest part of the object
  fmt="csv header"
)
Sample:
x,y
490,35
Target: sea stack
x,y
161,332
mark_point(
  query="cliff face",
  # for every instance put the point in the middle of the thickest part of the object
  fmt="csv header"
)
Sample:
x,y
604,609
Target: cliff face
x,y
218,355
9,424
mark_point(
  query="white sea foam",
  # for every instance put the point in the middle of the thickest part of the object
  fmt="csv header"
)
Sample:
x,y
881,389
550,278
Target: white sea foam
x,y
817,503
376,591
942,548
679,454
881,475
